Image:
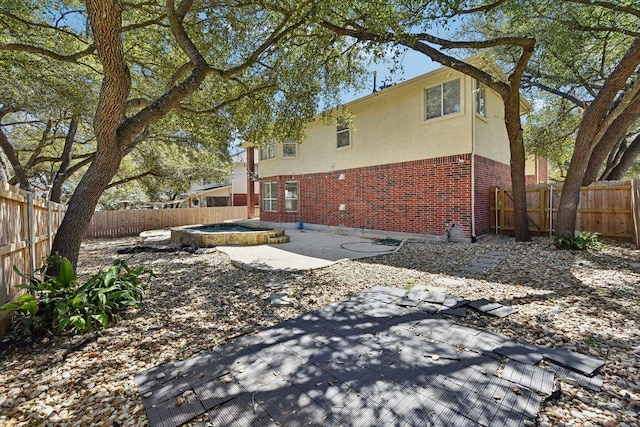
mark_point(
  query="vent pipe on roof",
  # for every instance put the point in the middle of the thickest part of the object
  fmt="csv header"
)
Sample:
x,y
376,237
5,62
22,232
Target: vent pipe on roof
x,y
375,75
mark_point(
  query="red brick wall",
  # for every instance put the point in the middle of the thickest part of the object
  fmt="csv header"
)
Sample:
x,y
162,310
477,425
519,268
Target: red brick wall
x,y
421,196
488,174
541,175
240,199
543,170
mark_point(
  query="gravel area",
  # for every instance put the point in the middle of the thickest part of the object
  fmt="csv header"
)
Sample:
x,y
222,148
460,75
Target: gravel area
x,y
581,301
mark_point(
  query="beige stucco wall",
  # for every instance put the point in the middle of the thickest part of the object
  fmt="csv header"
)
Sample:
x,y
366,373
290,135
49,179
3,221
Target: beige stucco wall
x,y
490,132
389,127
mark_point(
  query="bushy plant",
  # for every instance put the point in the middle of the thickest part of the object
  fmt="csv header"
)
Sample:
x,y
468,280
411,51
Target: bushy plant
x,y
60,304
585,240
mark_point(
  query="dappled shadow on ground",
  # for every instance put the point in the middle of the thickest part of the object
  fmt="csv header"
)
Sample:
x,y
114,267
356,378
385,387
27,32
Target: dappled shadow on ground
x,y
356,362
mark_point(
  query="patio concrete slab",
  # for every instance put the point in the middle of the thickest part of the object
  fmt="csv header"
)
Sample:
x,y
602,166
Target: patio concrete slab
x,y
307,250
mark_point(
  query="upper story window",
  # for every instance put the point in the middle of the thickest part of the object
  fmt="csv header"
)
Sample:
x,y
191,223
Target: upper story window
x,y
481,102
343,133
442,99
268,151
289,149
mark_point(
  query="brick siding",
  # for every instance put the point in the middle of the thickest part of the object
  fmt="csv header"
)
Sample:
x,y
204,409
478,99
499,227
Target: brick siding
x,y
488,174
422,196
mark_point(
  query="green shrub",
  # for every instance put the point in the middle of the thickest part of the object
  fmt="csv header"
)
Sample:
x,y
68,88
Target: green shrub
x,y
586,240
60,304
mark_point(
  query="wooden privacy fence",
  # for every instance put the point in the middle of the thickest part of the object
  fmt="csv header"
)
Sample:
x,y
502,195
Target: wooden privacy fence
x,y
28,225
610,208
135,221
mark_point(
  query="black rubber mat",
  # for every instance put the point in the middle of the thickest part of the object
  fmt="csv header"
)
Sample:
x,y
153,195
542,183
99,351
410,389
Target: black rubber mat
x,y
581,363
529,355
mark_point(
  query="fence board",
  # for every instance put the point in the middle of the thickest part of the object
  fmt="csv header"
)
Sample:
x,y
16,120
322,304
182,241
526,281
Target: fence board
x,y
612,209
133,222
14,239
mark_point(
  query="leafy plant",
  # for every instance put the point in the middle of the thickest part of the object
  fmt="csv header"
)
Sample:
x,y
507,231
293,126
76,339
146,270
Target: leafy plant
x,y
585,240
60,304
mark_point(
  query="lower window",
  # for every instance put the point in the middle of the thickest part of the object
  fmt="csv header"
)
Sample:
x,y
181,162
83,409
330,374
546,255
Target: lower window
x,y
291,196
270,196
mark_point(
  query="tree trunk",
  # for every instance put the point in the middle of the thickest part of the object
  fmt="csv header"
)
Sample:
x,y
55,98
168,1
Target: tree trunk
x,y
610,141
595,123
105,18
65,160
83,203
630,155
3,169
12,156
518,184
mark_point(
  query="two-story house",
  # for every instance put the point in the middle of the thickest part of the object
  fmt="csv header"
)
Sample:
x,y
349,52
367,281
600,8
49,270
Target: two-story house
x,y
418,157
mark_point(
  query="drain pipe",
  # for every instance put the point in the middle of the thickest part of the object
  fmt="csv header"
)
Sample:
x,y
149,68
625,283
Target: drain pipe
x,y
473,168
497,203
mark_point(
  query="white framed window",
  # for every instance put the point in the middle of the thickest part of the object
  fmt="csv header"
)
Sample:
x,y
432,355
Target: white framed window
x,y
343,134
270,196
442,100
268,151
289,149
481,101
291,196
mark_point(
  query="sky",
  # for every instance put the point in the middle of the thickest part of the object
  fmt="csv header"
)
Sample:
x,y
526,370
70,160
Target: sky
x,y
413,63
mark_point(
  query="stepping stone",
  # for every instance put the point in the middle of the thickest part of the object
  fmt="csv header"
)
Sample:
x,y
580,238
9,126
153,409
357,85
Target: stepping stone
x,y
575,361
472,269
454,302
484,305
501,254
522,353
503,311
276,286
407,302
427,307
436,296
488,261
418,295
282,300
454,311
383,297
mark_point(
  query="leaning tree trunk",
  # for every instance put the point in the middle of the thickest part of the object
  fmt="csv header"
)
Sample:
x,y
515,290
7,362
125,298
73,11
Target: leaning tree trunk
x,y
105,19
83,203
518,184
3,169
56,188
626,161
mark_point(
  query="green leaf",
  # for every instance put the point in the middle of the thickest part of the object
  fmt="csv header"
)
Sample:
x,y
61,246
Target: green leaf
x,y
66,275
10,306
31,306
103,319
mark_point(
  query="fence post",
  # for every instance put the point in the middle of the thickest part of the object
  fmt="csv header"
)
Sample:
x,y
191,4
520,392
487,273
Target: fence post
x,y
32,234
635,209
550,210
49,224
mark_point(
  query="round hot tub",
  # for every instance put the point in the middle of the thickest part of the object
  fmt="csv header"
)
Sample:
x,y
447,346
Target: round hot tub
x,y
209,235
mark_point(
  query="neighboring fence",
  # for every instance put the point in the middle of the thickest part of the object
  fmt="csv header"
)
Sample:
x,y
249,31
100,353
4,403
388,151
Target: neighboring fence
x,y
132,222
606,207
27,227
